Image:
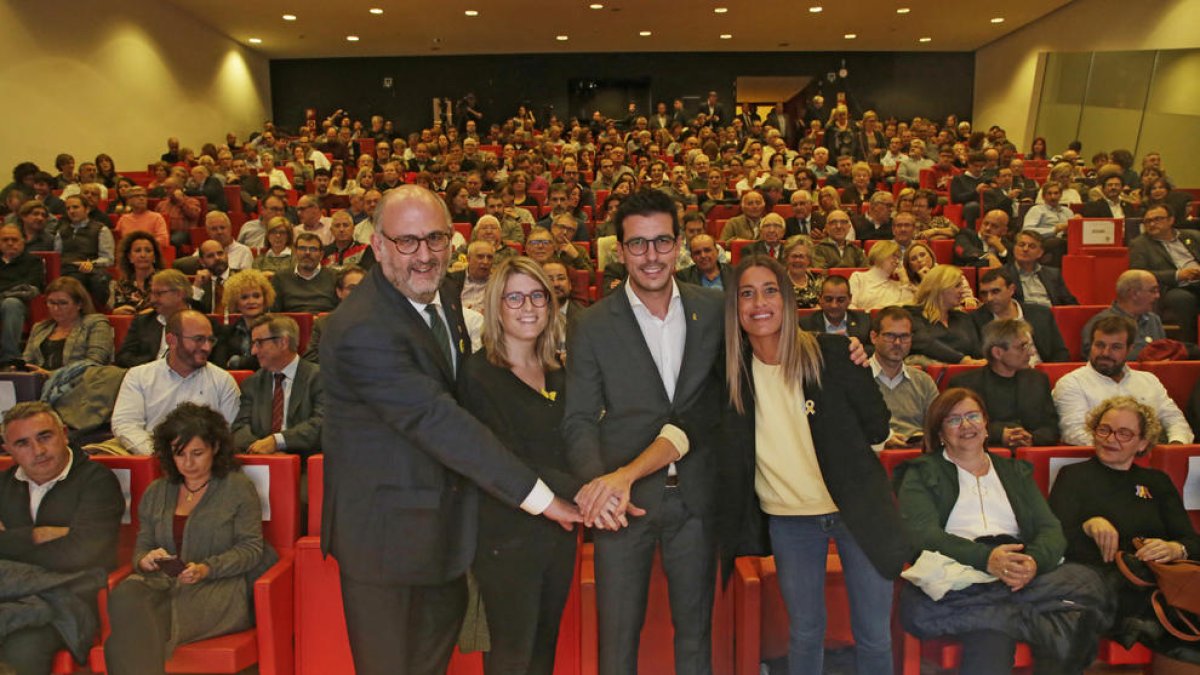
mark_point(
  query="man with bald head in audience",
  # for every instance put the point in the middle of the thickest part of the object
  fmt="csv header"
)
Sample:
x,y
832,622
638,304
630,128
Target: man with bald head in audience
x,y
220,230
1137,295
312,220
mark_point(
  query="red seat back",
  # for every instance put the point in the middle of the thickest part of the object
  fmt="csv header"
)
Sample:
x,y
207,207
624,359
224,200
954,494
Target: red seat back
x,y
735,249
120,324
135,475
894,458
943,373
1083,234
1177,462
845,271
724,211
240,376
580,281
53,262
1178,377
316,493
1071,319
1056,370
943,250
305,322
277,478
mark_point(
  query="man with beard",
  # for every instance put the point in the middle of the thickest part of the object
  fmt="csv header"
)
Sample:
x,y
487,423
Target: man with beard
x,y
308,287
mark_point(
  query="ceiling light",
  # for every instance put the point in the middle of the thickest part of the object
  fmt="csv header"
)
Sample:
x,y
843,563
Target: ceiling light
x,y
352,38
596,5
816,9
726,36
562,38
255,41
850,36
720,10
471,12
289,17
925,39
376,10
998,19
645,33
903,10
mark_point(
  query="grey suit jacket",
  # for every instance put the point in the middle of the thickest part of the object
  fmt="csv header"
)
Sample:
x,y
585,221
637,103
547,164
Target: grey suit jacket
x,y
616,402
305,410
1146,253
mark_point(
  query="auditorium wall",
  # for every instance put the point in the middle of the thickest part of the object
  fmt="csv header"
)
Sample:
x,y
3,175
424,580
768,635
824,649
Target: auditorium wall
x,y
1009,71
85,78
903,84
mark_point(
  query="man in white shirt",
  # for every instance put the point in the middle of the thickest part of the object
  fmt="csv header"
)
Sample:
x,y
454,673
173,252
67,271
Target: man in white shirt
x,y
220,230
1106,375
152,390
312,220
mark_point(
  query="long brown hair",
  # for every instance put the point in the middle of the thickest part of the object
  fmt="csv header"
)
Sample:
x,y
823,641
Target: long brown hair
x,y
799,353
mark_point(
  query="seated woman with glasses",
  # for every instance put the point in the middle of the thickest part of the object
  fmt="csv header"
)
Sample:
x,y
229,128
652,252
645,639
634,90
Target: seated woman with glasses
x,y
997,536
516,386
74,338
1109,501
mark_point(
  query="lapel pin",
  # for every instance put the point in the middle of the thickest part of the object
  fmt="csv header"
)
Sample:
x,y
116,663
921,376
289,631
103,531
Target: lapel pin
x,y
461,347
810,407
694,316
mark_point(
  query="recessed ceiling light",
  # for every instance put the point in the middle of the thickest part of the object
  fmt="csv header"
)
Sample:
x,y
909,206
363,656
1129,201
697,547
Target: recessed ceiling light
x,y
352,38
255,41
925,39
816,9
998,19
562,38
720,10
289,17
376,10
850,36
471,12
645,33
596,5
726,36
903,10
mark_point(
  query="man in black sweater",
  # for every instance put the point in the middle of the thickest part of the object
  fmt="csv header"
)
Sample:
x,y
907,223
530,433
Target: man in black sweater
x,y
22,277
308,287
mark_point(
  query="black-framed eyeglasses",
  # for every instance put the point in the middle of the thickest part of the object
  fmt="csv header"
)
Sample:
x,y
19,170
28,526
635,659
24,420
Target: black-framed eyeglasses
x,y
1103,432
408,244
259,342
516,299
896,337
639,245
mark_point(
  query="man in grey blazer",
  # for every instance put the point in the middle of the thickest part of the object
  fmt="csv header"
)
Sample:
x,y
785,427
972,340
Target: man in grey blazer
x,y
403,461
294,424
1172,255
643,402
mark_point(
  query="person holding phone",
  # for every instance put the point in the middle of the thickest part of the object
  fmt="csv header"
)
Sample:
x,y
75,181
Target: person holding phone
x,y
199,547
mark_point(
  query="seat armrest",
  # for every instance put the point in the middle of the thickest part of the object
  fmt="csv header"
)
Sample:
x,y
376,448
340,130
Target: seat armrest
x,y
747,608
274,611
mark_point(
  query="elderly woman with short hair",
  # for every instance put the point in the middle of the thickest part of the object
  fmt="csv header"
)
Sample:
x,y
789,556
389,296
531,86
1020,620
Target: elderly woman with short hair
x,y
885,283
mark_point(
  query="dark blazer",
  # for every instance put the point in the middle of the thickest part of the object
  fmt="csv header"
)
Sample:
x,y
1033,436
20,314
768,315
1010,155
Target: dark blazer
x,y
692,275
612,414
1046,336
1100,209
88,501
141,342
1034,406
1146,253
865,230
402,459
305,410
949,343
1052,279
815,221
858,324
968,249
847,415
760,248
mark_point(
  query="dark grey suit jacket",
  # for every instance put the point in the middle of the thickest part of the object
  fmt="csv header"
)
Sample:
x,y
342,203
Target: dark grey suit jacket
x,y
858,324
402,458
1051,278
1046,336
305,410
614,413
1146,253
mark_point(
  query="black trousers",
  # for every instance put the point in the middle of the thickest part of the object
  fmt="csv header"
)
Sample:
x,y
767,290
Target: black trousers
x,y
524,585
30,651
1180,306
623,565
403,629
141,625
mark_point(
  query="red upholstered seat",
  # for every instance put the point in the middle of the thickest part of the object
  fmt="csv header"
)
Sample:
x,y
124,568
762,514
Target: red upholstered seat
x,y
1071,319
1178,377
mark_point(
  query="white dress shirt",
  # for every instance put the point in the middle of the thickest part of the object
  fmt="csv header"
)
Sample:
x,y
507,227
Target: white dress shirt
x,y
38,492
872,289
1082,389
665,338
982,508
152,390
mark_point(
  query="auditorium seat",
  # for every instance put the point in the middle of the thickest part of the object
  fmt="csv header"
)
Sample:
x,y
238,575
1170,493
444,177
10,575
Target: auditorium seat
x,y
1182,464
1178,377
52,260
943,373
735,249
1071,319
1054,371
464,229
120,324
844,271
724,211
1101,232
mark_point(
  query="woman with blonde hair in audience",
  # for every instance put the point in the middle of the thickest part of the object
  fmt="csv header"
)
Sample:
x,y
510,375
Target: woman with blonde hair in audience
x,y
249,295
885,283
919,259
1109,502
277,257
1063,175
366,178
839,133
73,333
943,333
199,547
861,189
904,201
806,284
138,258
828,200
808,476
516,386
987,527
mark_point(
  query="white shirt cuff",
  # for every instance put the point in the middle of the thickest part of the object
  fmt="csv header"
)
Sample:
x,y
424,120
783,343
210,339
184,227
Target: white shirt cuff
x,y
676,437
538,499
280,444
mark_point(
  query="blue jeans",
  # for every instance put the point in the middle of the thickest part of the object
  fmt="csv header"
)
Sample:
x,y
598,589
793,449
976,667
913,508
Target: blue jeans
x,y
801,545
12,323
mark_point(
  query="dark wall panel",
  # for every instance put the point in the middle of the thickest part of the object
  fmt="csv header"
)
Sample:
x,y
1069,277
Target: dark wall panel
x,y
904,84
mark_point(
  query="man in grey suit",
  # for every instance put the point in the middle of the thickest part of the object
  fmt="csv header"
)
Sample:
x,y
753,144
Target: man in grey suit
x,y
402,459
643,399
282,404
1173,256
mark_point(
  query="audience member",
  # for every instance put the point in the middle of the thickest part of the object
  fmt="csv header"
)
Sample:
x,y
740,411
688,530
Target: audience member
x,y
876,223
838,249
137,261
472,280
311,220
560,284
254,232
1106,375
770,243
277,256
1038,284
73,334
989,247
34,217
282,404
201,183
61,514
803,220
308,287
345,249
219,230
745,225
248,295
348,278
139,218
997,291
706,269
835,315
943,333
806,284
1137,294
87,248
1173,256
22,277
879,286
906,390
1017,399
146,340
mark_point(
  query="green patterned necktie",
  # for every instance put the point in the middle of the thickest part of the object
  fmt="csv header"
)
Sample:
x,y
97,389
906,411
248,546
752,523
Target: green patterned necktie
x,y
441,334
